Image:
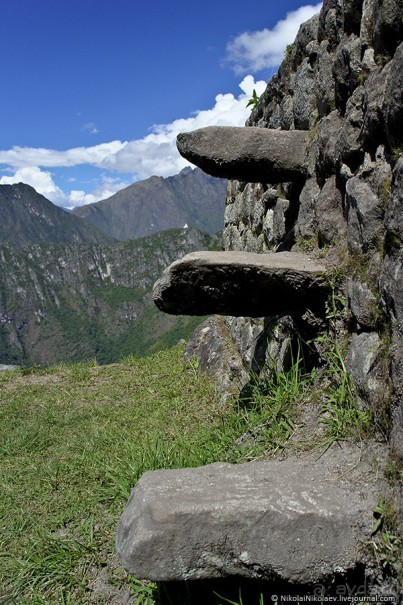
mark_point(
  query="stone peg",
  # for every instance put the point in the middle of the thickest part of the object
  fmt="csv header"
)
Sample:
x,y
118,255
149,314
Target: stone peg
x,y
293,520
241,284
251,154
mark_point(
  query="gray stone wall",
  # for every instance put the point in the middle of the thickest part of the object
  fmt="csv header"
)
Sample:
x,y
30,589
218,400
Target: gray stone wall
x,y
342,81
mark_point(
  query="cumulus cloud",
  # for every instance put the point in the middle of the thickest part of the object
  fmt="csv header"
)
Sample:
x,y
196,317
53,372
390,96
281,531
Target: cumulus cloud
x,y
19,157
105,189
264,49
41,180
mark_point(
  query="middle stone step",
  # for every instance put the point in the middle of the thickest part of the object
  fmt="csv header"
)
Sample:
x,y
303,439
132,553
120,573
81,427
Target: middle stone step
x,y
243,284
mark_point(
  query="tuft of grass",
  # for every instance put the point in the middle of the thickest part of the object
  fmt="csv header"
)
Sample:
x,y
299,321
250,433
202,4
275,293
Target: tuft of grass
x,y
386,542
341,413
254,100
268,408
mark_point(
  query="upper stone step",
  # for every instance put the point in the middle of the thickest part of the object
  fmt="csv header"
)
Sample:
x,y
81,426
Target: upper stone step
x,y
297,520
242,284
248,154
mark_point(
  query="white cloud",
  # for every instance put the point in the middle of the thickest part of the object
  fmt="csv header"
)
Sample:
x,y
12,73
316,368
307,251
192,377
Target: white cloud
x,y
18,157
43,183
91,127
264,49
41,180
106,189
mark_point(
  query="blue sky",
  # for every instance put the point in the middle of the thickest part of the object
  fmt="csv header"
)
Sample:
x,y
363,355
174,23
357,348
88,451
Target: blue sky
x,y
95,91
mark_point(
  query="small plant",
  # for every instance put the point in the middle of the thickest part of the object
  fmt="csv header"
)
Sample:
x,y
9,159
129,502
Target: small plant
x,y
340,411
387,544
143,590
288,50
254,101
362,76
396,153
307,244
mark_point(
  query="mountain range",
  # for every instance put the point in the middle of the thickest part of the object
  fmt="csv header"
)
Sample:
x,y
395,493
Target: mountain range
x,y
70,291
189,198
29,218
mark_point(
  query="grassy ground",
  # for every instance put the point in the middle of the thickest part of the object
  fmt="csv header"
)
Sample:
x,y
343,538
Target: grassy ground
x,y
73,441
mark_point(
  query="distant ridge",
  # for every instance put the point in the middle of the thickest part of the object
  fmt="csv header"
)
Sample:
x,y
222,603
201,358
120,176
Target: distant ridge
x,y
69,302
27,217
190,198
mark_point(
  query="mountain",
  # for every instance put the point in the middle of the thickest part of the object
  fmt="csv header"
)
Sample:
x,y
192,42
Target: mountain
x,y
61,302
28,218
189,198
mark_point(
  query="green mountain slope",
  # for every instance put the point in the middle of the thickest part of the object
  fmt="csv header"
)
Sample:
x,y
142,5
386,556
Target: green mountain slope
x,y
62,302
28,218
189,198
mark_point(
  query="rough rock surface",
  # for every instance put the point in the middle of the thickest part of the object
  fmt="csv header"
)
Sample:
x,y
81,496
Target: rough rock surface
x,y
217,355
248,154
298,519
241,284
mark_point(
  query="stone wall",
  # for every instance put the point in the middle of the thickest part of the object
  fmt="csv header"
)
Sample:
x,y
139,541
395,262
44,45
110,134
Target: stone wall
x,y
342,81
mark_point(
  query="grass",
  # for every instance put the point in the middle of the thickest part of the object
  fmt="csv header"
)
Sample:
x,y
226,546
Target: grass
x,y
341,412
74,439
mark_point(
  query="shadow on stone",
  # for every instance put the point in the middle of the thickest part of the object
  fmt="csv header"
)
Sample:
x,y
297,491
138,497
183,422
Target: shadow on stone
x,y
255,592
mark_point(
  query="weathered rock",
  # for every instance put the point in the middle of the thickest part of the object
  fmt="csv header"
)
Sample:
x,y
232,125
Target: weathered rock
x,y
306,224
388,26
304,100
365,364
330,24
241,284
349,144
394,214
274,224
248,154
365,215
218,356
392,296
363,305
346,68
324,84
327,158
332,225
295,520
393,106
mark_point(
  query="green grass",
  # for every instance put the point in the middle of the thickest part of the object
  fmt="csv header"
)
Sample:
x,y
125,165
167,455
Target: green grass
x,y
73,441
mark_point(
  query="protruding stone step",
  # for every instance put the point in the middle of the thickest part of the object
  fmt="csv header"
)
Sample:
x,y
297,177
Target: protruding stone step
x,y
243,284
299,520
248,154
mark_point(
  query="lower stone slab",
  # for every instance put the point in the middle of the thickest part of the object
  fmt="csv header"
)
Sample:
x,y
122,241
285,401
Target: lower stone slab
x,y
241,284
296,520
